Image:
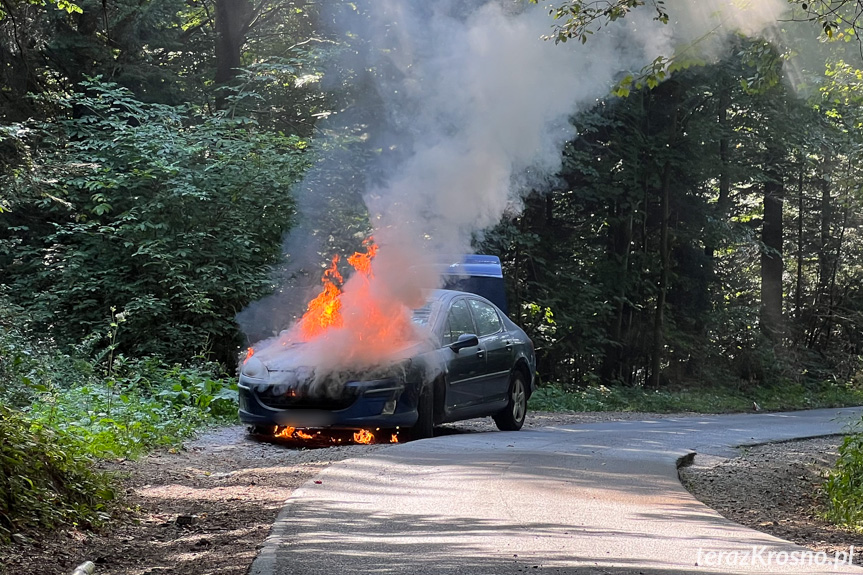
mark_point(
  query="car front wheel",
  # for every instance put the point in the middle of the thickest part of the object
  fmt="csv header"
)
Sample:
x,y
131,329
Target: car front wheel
x,y
511,418
424,426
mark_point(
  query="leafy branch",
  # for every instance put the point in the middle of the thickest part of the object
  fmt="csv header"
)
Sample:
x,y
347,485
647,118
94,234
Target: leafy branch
x,y
839,19
579,19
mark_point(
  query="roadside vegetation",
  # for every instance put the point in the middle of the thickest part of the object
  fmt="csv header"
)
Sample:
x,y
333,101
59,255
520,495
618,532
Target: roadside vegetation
x,y
698,398
63,411
700,249
127,243
843,488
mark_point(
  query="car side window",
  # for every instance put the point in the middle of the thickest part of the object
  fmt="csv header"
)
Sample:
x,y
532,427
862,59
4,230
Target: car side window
x,y
487,320
458,322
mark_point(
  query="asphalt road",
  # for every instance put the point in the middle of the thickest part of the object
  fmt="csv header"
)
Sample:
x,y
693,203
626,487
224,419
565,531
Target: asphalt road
x,y
585,499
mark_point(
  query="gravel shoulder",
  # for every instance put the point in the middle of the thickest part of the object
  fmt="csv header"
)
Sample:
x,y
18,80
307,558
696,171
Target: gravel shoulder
x,y
208,506
775,488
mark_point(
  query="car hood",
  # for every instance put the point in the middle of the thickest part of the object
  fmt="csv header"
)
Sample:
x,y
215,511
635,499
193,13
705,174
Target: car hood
x,y
312,368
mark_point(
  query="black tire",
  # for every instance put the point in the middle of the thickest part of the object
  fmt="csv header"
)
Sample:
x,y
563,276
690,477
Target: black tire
x,y
511,418
424,427
262,430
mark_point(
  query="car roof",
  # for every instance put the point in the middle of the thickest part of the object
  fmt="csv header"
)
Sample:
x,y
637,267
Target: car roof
x,y
445,295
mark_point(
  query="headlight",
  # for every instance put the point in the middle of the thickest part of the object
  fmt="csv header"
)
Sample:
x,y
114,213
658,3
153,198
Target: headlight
x,y
255,368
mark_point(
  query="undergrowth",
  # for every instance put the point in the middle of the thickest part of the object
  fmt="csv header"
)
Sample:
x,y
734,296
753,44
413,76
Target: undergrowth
x,y
148,405
705,399
843,487
62,410
46,480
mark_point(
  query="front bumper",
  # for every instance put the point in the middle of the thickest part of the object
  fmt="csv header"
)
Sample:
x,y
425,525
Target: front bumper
x,y
383,403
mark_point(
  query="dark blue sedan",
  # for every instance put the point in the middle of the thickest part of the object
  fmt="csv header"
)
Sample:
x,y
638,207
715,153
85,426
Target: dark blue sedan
x,y
476,363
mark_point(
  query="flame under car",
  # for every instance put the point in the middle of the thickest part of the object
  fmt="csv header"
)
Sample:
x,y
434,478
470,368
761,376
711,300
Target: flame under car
x,y
475,363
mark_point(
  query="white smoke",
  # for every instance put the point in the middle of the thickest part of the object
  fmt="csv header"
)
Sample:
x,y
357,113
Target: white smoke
x,y
493,104
693,19
482,106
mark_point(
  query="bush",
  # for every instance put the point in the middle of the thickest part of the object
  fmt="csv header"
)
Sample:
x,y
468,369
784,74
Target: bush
x,y
30,363
843,488
60,412
172,218
47,479
117,407
143,404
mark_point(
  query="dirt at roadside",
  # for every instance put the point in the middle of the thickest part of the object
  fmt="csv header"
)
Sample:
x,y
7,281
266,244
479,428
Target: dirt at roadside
x,y
205,508
208,507
775,488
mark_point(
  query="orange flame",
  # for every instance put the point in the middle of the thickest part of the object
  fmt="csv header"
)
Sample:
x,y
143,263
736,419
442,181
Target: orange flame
x,y
289,432
371,318
325,310
321,439
249,353
362,262
372,322
364,436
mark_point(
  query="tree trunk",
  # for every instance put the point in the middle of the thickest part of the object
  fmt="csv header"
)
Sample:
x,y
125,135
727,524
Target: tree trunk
x,y
822,304
658,350
724,200
798,289
659,318
232,24
825,259
831,289
620,238
771,257
724,160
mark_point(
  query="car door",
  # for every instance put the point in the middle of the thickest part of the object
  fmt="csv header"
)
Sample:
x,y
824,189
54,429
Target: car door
x,y
465,368
497,343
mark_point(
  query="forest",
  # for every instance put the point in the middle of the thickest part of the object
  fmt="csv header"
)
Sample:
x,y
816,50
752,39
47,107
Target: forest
x,y
704,230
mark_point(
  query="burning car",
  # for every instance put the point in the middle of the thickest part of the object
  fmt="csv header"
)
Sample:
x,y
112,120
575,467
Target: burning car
x,y
463,358
475,362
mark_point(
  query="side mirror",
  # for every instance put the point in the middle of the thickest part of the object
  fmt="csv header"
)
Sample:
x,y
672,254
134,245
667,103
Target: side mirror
x,y
464,340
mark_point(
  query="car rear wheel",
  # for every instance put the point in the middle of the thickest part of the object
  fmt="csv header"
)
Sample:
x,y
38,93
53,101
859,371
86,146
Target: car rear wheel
x,y
424,427
511,418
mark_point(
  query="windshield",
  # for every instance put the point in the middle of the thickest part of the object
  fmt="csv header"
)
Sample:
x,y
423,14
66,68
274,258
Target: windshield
x,y
422,316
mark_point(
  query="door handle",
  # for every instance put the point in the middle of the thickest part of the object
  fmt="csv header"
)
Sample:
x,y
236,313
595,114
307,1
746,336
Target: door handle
x,y
480,353
508,345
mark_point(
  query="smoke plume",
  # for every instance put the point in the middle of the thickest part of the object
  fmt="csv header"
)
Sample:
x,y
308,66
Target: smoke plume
x,y
468,108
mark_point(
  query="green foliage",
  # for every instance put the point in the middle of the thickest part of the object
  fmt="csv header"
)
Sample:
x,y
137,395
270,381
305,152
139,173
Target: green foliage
x,y
579,19
64,5
62,411
837,19
171,218
584,261
30,364
843,488
281,94
696,399
143,404
120,407
46,478
134,224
